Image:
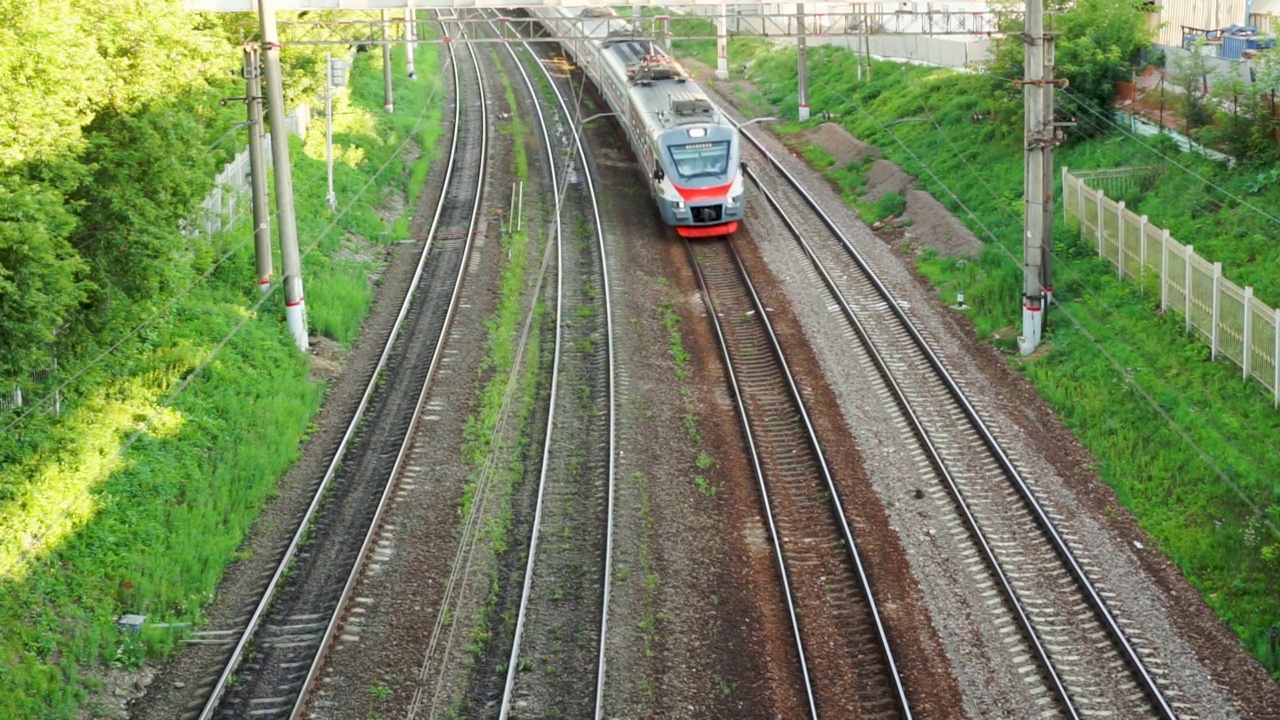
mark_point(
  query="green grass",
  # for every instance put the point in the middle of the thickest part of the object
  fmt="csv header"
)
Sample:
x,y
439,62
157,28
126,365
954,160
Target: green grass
x,y
505,328
338,292
516,127
136,498
1189,447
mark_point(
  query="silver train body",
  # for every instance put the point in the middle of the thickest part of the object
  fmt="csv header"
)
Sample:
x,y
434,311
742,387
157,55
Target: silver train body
x,y
688,149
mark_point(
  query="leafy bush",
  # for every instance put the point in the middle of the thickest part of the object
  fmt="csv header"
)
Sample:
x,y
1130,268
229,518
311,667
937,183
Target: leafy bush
x,y
891,204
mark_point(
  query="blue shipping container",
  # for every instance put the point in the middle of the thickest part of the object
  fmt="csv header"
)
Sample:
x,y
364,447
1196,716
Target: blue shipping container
x,y
1234,47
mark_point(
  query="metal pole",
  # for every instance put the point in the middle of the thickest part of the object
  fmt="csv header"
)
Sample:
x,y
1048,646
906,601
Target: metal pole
x,y
866,39
328,128
1046,180
802,57
1036,146
410,36
722,45
295,310
387,101
857,48
258,168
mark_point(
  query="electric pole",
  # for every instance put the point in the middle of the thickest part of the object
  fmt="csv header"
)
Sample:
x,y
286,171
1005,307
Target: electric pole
x,y
410,36
387,101
1037,92
802,57
722,45
1046,246
332,197
335,76
295,310
258,167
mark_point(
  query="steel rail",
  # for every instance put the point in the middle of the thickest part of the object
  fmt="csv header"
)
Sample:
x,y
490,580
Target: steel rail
x,y
269,593
460,568
612,392
935,456
370,536
1060,547
758,467
513,662
608,318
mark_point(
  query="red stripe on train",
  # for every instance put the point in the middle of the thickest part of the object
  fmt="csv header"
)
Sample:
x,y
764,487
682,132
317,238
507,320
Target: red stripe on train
x,y
711,193
696,231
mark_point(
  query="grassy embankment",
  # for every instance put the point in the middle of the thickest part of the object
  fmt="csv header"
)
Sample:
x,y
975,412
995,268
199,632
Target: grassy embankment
x,y
1190,448
137,498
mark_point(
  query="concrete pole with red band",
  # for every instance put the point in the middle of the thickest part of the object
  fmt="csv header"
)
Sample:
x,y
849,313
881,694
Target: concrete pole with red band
x,y
258,168
802,58
295,311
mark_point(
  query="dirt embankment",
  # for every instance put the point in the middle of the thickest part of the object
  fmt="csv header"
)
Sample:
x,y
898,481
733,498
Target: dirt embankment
x,y
926,223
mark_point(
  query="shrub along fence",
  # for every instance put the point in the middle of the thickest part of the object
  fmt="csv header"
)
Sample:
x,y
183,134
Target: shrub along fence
x,y
220,210
1224,315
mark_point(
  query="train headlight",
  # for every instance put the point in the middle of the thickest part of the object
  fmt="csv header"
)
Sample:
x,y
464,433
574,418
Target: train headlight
x,y
679,205
733,200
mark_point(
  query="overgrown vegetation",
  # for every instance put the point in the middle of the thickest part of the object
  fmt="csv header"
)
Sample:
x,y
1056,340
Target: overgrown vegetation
x,y
1097,43
1187,445
135,498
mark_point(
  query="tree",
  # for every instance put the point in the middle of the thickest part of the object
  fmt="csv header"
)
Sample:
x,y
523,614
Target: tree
x,y
1096,45
42,278
1240,107
1191,78
149,171
46,80
1266,75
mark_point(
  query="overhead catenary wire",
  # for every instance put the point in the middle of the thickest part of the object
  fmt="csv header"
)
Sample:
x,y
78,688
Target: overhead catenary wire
x,y
1119,367
168,306
1121,372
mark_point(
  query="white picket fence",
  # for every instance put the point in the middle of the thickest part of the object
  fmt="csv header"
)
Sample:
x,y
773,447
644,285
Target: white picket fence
x,y
1227,317
221,208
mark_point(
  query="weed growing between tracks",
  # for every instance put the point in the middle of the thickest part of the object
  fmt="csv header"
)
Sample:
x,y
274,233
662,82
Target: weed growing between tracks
x,y
675,346
650,616
508,400
515,127
512,391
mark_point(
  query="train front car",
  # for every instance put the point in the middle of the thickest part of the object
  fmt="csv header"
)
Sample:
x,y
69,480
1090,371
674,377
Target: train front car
x,y
683,142
698,185
692,156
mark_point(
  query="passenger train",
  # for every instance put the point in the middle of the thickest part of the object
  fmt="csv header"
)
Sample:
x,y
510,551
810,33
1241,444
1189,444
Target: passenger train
x,y
687,147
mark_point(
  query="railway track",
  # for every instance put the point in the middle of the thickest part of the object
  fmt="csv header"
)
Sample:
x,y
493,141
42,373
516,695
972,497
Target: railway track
x,y
1071,656
275,660
848,664
556,665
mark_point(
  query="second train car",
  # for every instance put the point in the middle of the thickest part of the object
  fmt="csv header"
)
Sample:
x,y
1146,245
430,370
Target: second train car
x,y
687,147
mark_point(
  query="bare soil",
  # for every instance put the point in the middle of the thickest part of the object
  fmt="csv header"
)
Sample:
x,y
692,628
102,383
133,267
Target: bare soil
x,y
925,224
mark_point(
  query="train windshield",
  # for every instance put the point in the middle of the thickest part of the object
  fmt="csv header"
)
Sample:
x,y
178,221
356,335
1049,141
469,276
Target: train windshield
x,y
700,159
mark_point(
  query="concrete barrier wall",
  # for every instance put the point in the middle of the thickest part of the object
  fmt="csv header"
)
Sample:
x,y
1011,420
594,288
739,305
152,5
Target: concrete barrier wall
x,y
955,51
944,52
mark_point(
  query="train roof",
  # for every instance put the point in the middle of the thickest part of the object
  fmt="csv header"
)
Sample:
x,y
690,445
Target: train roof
x,y
661,86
